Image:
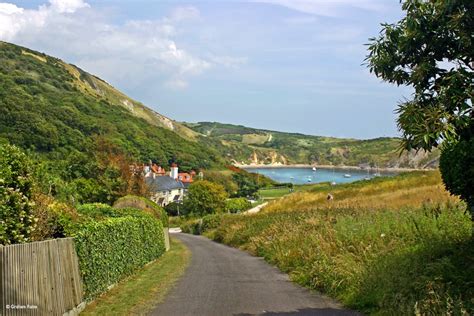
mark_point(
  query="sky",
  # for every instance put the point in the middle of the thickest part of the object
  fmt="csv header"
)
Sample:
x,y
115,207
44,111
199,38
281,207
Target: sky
x,y
287,65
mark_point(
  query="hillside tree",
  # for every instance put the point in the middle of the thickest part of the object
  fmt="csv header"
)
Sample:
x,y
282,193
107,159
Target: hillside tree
x,y
431,49
16,187
204,198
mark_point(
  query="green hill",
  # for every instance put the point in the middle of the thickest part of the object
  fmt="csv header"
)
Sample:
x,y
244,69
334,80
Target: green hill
x,y
51,107
82,134
246,145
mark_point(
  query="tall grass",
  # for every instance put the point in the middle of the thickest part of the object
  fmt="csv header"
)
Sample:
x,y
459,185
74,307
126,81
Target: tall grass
x,y
409,189
398,246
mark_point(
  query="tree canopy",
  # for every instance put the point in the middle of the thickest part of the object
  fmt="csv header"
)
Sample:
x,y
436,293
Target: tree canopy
x,y
205,197
431,49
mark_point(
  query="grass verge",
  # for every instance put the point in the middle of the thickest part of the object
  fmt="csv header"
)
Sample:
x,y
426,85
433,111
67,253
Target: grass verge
x,y
392,246
139,293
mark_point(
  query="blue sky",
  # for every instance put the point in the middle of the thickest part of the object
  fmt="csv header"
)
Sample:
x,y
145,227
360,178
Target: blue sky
x,y
290,65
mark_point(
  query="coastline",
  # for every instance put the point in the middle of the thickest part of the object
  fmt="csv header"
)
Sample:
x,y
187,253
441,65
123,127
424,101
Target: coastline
x,y
262,166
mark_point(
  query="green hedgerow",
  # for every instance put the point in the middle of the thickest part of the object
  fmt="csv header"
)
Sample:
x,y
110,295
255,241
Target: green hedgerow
x,y
114,248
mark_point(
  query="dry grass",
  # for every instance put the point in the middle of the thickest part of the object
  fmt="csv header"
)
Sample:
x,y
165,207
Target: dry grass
x,y
398,246
408,190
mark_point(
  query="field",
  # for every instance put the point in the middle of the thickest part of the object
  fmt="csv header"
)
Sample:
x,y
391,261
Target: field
x,y
408,189
390,246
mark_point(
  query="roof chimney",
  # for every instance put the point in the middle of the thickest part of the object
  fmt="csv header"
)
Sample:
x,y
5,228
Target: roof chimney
x,y
174,171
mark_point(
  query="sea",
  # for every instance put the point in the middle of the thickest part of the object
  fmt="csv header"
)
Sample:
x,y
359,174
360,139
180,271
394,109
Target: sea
x,y
306,175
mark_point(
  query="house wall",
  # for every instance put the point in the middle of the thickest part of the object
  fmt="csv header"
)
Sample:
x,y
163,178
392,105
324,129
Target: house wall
x,y
167,196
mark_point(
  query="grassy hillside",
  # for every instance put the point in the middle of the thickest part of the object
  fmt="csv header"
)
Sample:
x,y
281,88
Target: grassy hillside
x,y
52,107
249,145
389,246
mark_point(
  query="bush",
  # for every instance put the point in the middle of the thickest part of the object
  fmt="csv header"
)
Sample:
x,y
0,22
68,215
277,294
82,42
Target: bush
x,y
192,226
457,169
173,209
97,211
16,219
198,226
237,205
223,179
205,197
62,220
144,204
209,222
114,248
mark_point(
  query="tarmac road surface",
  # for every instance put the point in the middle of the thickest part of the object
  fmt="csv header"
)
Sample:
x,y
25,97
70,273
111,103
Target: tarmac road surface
x,y
221,280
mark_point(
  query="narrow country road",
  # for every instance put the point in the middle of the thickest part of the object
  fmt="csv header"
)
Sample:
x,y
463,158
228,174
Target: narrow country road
x,y
226,281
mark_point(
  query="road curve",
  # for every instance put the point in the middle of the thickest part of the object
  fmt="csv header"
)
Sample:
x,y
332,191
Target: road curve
x,y
225,281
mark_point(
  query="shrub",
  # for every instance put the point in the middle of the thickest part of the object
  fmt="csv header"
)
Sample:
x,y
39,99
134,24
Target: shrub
x,y
192,226
457,169
114,248
207,224
237,205
62,220
173,209
205,197
16,219
97,210
212,221
144,204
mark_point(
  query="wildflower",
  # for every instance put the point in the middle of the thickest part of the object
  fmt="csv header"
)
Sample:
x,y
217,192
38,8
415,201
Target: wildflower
x,y
382,235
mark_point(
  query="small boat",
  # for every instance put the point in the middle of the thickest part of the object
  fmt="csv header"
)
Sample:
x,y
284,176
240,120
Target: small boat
x,y
314,168
309,180
333,183
377,174
292,177
367,178
347,175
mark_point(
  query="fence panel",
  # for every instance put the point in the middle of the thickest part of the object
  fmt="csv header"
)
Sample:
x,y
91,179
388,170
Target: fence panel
x,y
40,278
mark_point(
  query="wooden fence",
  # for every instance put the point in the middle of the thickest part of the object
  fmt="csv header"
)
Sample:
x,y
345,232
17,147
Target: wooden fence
x,y
40,278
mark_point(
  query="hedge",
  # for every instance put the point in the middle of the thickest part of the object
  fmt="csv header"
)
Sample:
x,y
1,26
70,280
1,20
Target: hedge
x,y
144,204
114,248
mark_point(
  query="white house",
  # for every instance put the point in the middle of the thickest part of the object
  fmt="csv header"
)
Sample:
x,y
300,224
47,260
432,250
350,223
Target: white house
x,y
165,190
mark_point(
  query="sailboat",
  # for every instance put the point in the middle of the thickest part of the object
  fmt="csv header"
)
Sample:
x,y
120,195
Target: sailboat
x,y
333,177
377,173
314,168
368,174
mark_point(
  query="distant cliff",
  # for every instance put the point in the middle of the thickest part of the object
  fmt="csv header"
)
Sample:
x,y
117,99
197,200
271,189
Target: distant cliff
x,y
245,145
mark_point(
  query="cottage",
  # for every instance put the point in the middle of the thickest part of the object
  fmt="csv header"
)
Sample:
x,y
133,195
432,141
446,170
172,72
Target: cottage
x,y
167,187
165,190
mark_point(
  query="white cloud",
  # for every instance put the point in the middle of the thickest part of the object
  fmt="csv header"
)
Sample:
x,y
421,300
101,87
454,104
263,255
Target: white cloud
x,y
67,6
325,7
137,51
14,20
8,8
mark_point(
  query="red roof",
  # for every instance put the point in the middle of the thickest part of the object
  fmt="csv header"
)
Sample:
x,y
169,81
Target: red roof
x,y
158,169
185,177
